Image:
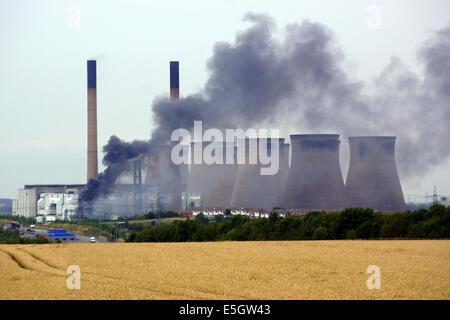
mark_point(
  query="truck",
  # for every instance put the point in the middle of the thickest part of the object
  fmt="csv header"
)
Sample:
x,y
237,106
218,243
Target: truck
x,y
13,226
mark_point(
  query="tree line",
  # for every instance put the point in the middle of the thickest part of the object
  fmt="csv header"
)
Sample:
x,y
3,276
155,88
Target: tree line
x,y
350,223
13,237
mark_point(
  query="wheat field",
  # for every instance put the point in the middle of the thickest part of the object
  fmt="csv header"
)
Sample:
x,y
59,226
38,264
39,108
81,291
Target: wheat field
x,y
410,269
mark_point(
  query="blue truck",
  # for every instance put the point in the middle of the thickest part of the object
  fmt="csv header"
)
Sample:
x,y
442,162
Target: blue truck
x,y
61,235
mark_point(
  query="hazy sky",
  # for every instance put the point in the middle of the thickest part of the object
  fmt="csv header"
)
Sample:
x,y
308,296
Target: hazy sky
x,y
43,53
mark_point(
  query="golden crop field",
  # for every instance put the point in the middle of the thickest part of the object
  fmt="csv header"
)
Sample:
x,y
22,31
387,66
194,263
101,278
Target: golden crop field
x,y
410,269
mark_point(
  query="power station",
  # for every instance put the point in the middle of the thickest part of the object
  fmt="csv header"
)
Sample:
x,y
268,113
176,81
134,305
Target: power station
x,y
151,181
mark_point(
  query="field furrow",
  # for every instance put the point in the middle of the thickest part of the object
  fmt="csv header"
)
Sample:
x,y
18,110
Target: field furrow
x,y
228,270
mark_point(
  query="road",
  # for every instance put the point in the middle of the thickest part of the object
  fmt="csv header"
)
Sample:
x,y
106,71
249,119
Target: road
x,y
43,232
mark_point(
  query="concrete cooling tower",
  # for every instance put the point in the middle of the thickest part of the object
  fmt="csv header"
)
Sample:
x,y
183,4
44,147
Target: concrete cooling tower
x,y
214,182
254,190
163,174
372,180
315,180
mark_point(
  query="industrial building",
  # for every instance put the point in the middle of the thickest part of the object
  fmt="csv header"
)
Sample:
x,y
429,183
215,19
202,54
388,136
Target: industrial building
x,y
149,182
57,206
190,200
29,197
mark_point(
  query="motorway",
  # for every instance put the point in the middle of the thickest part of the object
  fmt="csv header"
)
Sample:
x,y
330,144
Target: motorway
x,y
44,233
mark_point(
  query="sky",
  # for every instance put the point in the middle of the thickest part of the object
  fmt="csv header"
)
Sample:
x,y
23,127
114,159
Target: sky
x,y
45,45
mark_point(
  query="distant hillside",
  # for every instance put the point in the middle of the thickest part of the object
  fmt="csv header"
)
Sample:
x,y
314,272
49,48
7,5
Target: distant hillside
x,y
6,205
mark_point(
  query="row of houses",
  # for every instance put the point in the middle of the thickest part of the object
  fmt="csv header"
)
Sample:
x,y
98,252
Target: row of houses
x,y
210,212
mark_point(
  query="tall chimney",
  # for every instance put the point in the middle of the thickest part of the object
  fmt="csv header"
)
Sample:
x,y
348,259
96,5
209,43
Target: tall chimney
x,y
174,80
92,162
175,95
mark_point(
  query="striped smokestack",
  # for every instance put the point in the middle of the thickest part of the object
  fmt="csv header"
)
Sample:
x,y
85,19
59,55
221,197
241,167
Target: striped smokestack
x,y
174,80
92,162
175,95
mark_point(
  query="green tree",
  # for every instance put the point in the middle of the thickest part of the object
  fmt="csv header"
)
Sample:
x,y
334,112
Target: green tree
x,y
351,234
201,217
320,233
350,219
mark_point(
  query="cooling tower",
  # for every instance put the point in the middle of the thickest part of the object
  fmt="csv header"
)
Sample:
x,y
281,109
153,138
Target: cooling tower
x,y
315,180
92,162
284,171
184,176
372,179
163,174
213,181
174,80
254,190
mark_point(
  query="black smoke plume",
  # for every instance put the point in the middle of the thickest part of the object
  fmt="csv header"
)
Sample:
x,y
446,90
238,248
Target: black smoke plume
x,y
299,83
117,153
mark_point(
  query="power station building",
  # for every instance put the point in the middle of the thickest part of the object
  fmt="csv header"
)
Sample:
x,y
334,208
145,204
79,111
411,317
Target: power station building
x,y
57,206
151,181
48,199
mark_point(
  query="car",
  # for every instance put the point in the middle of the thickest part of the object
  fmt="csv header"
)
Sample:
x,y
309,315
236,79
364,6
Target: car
x,y
92,239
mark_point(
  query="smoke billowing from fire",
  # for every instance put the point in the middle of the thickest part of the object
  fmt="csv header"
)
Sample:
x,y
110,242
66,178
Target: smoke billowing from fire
x,y
298,82
117,152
